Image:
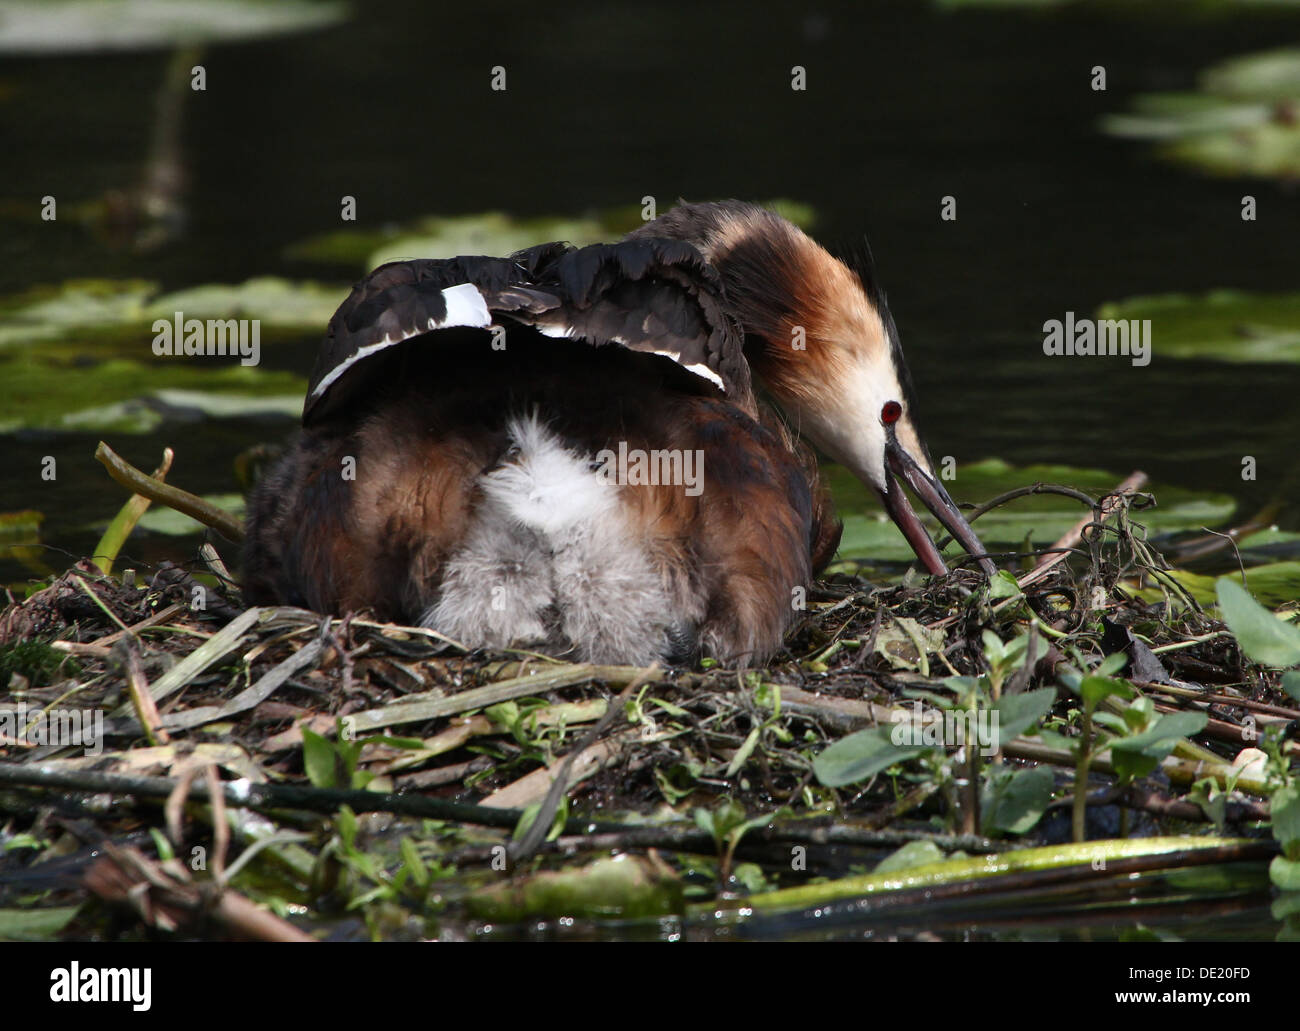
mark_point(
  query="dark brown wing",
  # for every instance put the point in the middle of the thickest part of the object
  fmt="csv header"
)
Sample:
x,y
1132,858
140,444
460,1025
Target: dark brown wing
x,y
655,296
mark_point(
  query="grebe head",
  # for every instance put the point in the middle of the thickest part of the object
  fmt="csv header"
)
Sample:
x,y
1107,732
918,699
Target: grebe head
x,y
825,348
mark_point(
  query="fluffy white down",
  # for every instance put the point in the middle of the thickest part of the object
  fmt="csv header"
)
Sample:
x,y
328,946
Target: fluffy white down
x,y
550,557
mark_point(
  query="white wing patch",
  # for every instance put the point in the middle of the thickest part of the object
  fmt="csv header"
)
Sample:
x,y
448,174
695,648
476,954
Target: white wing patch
x,y
465,307
699,368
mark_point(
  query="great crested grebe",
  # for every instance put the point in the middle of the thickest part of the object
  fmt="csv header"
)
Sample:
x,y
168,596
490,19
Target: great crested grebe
x,y
563,447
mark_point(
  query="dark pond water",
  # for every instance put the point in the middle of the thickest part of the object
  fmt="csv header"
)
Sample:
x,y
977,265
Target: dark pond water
x,y
905,104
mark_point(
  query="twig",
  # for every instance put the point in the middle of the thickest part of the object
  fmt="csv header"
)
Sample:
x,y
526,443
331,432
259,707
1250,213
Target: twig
x,y
173,497
502,691
278,796
146,709
1135,481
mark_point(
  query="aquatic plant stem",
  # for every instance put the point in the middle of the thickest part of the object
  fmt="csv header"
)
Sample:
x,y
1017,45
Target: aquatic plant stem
x,y
123,523
1081,776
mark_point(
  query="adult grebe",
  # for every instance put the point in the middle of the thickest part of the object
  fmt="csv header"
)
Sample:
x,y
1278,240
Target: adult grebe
x,y
563,448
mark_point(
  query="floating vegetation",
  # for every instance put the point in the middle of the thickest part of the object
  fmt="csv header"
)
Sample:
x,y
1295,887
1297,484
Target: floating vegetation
x,y
67,26
1222,325
48,394
491,232
1164,8
354,778
1037,518
1243,120
84,311
61,347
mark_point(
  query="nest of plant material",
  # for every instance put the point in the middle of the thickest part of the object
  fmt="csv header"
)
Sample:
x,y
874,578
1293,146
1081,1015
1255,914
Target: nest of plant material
x,y
396,785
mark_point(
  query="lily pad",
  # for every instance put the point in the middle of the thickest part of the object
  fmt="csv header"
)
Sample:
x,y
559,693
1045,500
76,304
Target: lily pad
x,y
1003,3
164,520
80,356
1224,325
869,533
20,539
22,527
1242,122
68,26
125,396
1171,7
1275,583
492,232
87,310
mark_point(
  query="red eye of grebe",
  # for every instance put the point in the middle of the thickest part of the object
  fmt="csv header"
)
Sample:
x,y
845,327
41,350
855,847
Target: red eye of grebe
x,y
890,412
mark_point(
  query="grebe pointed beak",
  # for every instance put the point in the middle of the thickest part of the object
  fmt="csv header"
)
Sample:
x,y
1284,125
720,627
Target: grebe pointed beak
x,y
904,467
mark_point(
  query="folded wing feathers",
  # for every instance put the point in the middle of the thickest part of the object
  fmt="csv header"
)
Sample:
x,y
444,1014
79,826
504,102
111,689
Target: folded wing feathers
x,y
649,294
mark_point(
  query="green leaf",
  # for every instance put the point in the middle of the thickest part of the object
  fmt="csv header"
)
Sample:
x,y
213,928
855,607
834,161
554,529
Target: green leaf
x,y
1138,716
318,756
529,816
744,751
1285,809
1093,689
1285,873
862,755
411,858
1013,656
1018,712
724,819
1170,727
1291,684
1112,722
1273,583
1212,800
914,853
1003,585
1055,739
1138,755
1262,636
1111,664
993,647
346,822
1021,802
34,924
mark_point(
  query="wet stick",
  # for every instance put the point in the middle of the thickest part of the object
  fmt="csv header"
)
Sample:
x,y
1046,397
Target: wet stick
x,y
173,497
